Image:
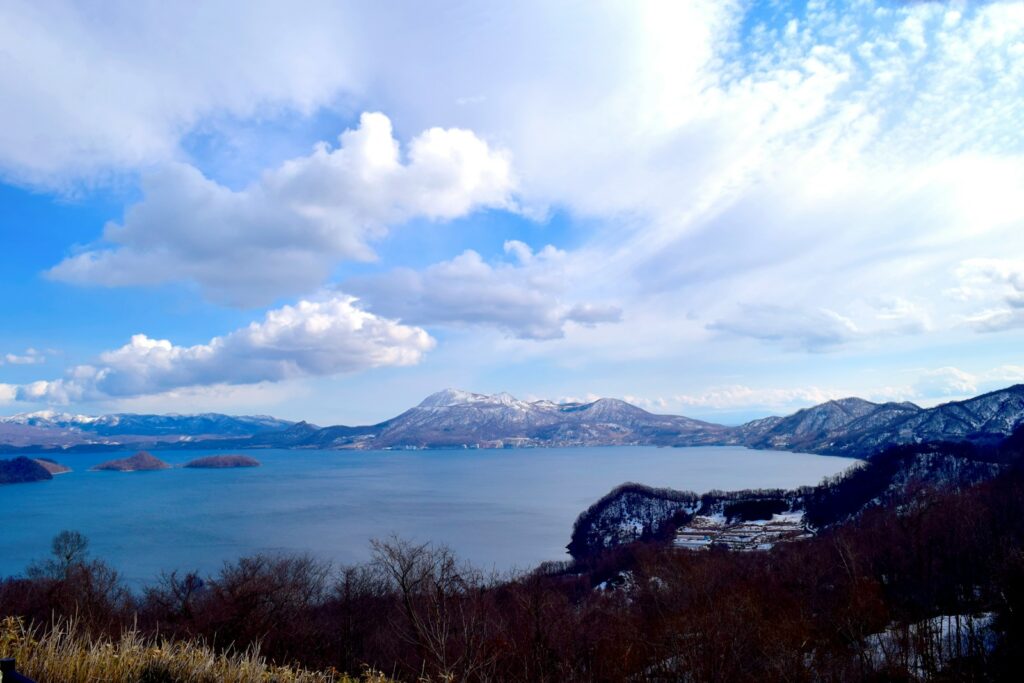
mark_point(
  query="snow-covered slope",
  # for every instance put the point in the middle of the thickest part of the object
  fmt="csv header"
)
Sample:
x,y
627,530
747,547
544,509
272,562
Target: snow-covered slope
x,y
858,427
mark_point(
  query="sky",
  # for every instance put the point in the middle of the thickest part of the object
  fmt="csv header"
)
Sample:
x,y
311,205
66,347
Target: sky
x,y
329,210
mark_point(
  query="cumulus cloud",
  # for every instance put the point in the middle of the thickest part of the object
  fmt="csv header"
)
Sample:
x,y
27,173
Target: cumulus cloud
x,y
523,298
29,357
311,338
283,234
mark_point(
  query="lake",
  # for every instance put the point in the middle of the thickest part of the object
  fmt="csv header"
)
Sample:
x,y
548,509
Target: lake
x,y
500,509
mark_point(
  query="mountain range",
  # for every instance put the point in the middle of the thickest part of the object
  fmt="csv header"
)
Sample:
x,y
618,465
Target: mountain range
x,y
56,429
460,419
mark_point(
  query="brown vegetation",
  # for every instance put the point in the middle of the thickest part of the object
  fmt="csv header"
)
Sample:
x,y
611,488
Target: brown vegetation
x,y
65,654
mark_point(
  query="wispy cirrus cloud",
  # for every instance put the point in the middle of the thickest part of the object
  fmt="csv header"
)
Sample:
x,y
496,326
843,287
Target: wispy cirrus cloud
x,y
29,357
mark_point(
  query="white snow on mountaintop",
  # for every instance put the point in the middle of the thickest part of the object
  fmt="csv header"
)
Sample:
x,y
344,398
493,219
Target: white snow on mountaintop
x,y
451,397
456,397
49,416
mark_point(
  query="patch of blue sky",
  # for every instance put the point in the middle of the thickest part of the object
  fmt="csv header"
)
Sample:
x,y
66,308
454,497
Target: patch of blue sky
x,y
36,232
234,151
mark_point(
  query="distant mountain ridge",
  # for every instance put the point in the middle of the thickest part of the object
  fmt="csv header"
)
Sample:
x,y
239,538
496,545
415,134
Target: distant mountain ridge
x,y
856,426
460,419
51,428
453,418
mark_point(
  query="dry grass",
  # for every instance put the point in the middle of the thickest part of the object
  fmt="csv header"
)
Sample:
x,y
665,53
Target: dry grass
x,y
64,655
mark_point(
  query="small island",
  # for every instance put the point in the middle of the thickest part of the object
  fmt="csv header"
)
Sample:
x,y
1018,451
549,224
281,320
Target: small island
x,y
52,466
22,470
218,462
140,462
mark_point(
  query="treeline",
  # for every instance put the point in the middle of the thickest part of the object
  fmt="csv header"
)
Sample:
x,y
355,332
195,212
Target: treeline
x,y
926,587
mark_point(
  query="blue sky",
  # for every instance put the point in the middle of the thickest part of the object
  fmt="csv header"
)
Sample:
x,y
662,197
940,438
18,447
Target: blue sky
x,y
327,211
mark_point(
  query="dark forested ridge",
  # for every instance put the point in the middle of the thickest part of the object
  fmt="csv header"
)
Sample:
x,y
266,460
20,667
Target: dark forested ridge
x,y
633,512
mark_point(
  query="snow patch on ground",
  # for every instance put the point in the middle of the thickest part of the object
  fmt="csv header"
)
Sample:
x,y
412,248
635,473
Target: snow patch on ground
x,y
715,530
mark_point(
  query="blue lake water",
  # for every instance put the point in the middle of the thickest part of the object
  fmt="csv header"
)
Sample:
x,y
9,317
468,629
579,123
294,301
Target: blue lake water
x,y
500,509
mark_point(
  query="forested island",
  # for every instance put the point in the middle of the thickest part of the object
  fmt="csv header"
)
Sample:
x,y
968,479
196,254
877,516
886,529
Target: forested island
x,y
22,470
217,462
140,462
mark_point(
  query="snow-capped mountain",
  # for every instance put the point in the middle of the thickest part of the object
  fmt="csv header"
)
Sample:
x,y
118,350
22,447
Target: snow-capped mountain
x,y
47,427
454,418
50,419
820,426
857,427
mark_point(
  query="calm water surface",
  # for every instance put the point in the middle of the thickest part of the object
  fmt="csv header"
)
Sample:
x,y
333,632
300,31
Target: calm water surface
x,y
503,509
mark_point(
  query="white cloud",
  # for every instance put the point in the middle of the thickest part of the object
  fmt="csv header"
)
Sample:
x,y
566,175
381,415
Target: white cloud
x,y
811,330
311,338
826,167
740,396
1006,373
524,298
29,357
282,235
947,381
998,285
218,398
90,90
925,386
589,397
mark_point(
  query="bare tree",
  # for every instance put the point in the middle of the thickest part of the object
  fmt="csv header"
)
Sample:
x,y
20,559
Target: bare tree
x,y
69,549
443,605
